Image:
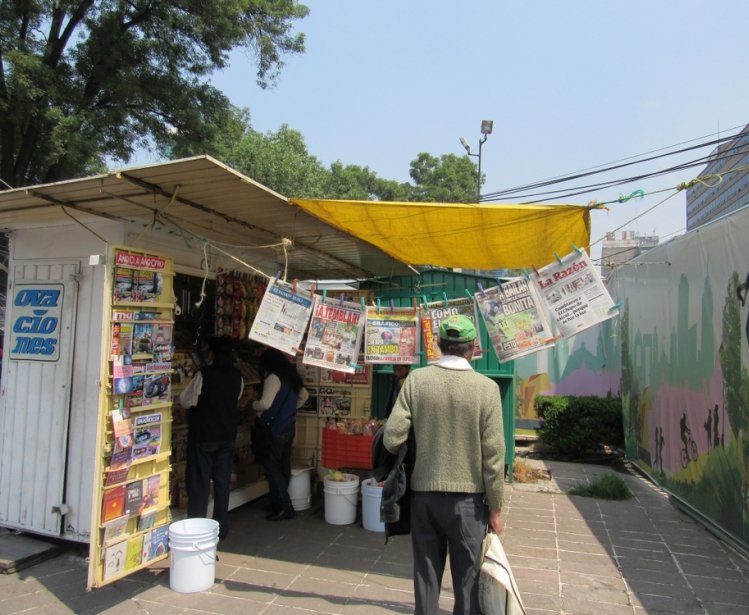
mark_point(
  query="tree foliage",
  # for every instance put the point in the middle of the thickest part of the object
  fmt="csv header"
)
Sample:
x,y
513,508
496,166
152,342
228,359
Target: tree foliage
x,y
83,80
447,179
281,161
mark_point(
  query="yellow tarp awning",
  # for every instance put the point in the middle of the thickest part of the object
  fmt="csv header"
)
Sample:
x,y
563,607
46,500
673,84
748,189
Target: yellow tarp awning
x,y
484,236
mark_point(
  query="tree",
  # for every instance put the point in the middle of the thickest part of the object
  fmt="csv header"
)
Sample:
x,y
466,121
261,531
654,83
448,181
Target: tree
x,y
361,183
447,179
83,80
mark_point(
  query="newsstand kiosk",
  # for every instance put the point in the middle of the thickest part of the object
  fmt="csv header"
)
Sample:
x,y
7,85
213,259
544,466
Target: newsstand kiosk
x,y
86,404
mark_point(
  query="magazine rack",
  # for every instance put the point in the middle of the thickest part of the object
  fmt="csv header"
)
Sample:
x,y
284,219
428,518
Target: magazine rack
x,y
130,512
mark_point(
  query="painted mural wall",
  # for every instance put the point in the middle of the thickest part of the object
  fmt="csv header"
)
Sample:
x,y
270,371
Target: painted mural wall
x,y
679,356
586,364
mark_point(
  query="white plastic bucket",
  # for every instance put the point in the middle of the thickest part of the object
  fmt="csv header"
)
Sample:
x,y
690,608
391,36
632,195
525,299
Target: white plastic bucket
x,y
192,554
371,498
299,488
341,500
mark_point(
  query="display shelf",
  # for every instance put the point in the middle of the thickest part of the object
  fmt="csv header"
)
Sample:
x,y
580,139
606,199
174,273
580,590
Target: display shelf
x,y
134,440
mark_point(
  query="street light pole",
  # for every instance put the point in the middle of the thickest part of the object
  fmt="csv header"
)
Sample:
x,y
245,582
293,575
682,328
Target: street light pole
x,y
486,130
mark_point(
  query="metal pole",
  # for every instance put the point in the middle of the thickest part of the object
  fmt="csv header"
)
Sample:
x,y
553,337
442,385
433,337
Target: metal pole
x,y
478,181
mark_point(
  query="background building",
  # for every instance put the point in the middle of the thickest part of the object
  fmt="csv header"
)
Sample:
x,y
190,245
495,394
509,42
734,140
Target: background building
x,y
727,194
629,244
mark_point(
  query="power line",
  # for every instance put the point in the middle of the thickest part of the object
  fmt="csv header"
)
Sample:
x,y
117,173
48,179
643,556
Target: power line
x,y
586,188
611,167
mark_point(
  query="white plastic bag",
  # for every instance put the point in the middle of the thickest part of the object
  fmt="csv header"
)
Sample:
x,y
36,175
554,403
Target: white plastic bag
x,y
498,591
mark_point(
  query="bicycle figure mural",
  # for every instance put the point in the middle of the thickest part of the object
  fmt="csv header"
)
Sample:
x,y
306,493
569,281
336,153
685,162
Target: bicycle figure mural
x,y
689,452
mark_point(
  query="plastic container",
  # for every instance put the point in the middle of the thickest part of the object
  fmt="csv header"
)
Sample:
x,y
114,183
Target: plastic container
x,y
371,498
192,549
341,450
299,488
341,500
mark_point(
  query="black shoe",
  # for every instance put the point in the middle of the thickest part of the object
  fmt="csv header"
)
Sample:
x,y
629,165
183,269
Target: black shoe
x,y
281,515
272,508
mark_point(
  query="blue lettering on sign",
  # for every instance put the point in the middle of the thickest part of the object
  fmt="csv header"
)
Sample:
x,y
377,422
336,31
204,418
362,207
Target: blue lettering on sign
x,y
37,298
36,328
35,324
34,345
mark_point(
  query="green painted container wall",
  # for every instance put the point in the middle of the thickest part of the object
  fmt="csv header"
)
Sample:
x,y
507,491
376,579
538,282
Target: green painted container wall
x,y
434,285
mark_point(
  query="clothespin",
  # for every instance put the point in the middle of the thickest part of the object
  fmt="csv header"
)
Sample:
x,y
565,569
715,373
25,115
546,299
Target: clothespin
x,y
294,283
414,304
576,249
538,275
324,294
481,288
340,298
444,296
424,299
559,259
469,293
616,306
312,289
392,304
278,274
378,305
526,274
363,305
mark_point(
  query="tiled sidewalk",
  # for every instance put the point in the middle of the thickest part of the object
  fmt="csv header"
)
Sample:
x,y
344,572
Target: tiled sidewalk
x,y
569,555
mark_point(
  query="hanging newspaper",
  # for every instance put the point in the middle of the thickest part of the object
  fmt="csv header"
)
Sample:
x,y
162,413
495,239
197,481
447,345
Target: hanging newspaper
x,y
281,320
574,293
432,314
515,319
335,334
391,335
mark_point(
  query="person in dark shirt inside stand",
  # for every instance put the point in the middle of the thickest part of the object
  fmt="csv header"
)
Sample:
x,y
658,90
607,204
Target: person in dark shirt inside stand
x,y
212,398
283,393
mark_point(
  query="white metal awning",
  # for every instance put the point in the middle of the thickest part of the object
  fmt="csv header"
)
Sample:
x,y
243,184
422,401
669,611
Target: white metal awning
x,y
201,199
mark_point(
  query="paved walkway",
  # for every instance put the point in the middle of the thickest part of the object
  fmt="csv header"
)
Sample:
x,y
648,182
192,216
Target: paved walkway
x,y
570,555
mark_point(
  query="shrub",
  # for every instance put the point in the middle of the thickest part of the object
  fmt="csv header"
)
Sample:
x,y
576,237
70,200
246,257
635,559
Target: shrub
x,y
574,426
608,487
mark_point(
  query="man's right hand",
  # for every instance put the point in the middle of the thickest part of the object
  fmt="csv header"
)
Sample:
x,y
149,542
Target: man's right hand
x,y
495,521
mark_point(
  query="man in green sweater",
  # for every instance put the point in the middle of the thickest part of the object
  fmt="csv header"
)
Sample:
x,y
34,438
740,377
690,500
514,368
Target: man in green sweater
x,y
458,473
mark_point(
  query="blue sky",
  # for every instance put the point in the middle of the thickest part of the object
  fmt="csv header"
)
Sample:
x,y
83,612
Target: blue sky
x,y
569,85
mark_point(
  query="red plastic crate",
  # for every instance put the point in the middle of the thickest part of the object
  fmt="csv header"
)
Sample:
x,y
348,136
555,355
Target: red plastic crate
x,y
340,450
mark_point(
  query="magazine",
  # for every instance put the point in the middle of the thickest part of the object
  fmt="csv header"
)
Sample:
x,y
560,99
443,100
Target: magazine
x,y
391,335
113,503
146,521
574,293
151,487
114,559
114,477
146,435
142,338
133,497
156,389
146,549
159,541
134,552
123,284
122,423
433,313
122,452
122,374
281,320
115,530
515,319
148,285
334,335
